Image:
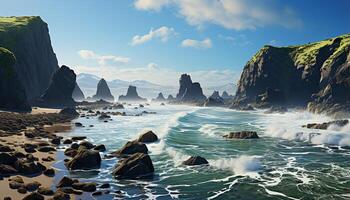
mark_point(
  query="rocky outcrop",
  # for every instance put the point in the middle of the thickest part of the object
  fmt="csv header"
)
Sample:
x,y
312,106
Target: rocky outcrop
x,y
131,147
326,125
137,165
315,75
242,135
131,95
148,137
214,100
78,95
12,92
59,92
28,38
160,98
189,92
85,159
196,160
103,92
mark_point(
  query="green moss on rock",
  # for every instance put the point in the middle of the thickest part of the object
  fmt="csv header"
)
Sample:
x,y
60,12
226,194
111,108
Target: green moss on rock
x,y
7,60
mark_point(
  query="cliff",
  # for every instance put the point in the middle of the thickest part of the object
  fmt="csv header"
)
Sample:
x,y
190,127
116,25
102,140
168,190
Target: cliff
x,y
131,95
12,93
103,91
315,75
28,38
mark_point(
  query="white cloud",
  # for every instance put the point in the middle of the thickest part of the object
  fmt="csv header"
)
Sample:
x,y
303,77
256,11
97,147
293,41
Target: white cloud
x,y
104,59
152,66
163,33
204,44
151,4
230,14
239,40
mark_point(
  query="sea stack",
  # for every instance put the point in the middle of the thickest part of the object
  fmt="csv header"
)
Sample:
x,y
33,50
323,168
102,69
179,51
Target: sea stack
x,y
59,93
226,96
78,95
131,95
315,75
29,40
12,92
103,91
214,100
189,92
160,98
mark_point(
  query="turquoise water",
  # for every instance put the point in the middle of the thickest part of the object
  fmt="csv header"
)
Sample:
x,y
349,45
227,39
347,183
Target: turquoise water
x,y
287,162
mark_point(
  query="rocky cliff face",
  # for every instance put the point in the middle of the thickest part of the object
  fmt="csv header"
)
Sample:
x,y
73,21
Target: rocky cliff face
x,y
131,95
103,91
59,92
315,75
78,95
12,93
189,92
28,38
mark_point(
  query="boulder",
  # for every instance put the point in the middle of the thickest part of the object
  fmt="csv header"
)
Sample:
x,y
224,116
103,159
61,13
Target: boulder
x,y
7,169
131,147
45,191
59,92
103,92
100,148
195,160
137,165
69,111
27,167
66,182
7,159
148,137
242,135
85,159
131,95
34,196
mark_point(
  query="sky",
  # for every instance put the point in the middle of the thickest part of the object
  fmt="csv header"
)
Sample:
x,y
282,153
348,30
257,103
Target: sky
x,y
157,40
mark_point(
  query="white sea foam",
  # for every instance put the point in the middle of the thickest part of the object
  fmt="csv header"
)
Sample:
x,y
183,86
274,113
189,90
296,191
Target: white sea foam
x,y
177,156
209,129
241,165
289,126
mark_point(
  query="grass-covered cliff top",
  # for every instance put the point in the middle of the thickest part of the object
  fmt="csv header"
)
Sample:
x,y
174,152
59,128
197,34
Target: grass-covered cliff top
x,y
307,54
7,23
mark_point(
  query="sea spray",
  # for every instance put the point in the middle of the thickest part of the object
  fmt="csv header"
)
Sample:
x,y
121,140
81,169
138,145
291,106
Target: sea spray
x,y
241,165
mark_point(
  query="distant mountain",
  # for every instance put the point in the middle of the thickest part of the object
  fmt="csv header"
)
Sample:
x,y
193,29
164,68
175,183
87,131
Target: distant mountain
x,y
88,84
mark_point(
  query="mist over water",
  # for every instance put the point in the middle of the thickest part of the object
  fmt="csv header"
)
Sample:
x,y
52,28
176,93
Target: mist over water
x,y
287,162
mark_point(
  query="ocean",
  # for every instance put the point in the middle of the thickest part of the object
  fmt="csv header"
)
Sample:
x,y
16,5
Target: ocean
x,y
286,162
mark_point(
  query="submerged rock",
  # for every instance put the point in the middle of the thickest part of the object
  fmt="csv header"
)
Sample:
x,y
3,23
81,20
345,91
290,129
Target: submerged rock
x,y
196,160
137,165
148,137
242,135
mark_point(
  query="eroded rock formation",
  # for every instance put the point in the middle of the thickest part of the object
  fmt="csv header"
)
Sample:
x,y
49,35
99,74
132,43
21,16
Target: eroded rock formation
x,y
131,95
103,92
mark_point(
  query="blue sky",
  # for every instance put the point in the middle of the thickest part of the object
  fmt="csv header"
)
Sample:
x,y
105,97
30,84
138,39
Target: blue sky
x,y
156,40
